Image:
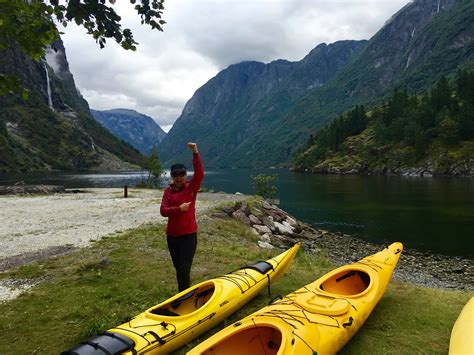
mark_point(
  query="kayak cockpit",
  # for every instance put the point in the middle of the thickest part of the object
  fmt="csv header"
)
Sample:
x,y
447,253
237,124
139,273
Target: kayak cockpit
x,y
349,282
255,340
187,303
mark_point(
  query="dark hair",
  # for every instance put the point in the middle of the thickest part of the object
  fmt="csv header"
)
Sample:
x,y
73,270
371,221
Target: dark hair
x,y
178,169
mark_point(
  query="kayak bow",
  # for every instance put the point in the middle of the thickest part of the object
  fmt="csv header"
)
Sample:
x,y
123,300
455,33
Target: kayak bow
x,y
319,318
176,321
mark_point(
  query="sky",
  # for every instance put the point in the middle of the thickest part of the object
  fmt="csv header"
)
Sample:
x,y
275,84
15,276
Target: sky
x,y
203,37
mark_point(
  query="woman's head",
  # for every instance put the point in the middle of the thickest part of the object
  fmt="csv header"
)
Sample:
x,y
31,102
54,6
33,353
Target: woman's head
x,y
178,174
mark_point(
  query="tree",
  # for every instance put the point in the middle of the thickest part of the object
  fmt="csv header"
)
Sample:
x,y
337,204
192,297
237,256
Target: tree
x,y
264,185
31,24
154,168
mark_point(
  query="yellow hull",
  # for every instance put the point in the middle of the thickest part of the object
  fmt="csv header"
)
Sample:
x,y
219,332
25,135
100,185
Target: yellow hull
x,y
178,320
462,335
318,318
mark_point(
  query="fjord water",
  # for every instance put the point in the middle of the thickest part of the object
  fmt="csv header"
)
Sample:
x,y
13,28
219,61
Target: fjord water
x,y
428,214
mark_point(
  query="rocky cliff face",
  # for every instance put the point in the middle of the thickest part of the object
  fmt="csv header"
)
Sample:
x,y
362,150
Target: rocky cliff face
x,y
252,114
141,131
53,127
233,107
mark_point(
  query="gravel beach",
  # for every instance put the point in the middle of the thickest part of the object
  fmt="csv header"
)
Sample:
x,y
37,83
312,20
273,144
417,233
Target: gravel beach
x,y
36,227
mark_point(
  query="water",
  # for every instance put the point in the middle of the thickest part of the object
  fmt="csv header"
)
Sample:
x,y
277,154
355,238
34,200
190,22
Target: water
x,y
48,88
433,215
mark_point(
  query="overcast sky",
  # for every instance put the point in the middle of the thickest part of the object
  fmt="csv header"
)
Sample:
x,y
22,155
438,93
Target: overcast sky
x,y
201,38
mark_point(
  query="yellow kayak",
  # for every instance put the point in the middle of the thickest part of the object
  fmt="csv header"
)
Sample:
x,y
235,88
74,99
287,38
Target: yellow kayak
x,y
462,335
319,318
176,321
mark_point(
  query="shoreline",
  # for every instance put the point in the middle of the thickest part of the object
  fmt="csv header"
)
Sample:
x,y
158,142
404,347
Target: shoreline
x,y
72,221
277,228
421,268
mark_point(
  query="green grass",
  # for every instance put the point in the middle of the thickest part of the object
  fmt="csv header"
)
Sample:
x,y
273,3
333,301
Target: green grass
x,y
120,276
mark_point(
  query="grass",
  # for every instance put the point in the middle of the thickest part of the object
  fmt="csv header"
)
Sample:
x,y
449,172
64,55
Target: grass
x,y
121,275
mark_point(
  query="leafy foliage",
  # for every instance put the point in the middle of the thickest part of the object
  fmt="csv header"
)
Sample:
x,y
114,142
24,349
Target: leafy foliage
x,y
264,185
154,169
31,25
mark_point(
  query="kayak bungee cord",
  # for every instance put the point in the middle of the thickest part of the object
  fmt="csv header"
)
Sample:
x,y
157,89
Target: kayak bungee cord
x,y
300,338
259,337
369,263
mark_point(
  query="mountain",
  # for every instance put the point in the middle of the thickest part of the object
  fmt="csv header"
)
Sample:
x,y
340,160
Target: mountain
x,y
52,128
236,106
260,113
139,130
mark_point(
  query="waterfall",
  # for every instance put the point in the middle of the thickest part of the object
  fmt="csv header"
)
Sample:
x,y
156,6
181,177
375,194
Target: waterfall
x,y
50,101
439,1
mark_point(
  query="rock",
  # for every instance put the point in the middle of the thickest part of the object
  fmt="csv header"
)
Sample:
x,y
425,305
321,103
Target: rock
x,y
268,221
228,210
265,238
291,221
240,216
266,205
262,229
265,245
254,232
254,219
283,229
220,214
276,215
286,224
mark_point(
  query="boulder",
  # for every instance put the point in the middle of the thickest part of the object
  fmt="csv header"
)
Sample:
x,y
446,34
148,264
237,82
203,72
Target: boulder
x,y
291,221
283,229
262,229
268,221
265,245
254,219
240,216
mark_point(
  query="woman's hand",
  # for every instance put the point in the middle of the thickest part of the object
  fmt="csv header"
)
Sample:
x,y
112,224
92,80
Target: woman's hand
x,y
184,206
193,147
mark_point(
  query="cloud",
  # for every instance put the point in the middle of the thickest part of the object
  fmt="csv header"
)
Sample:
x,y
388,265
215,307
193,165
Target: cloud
x,y
201,38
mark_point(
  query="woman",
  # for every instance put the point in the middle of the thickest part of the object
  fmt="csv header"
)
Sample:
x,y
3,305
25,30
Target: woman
x,y
178,204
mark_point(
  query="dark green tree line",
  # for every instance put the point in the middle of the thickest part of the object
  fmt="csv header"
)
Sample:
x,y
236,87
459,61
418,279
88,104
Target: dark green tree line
x,y
331,136
446,113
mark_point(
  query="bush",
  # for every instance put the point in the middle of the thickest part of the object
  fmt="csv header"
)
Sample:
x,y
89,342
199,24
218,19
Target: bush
x,y
264,185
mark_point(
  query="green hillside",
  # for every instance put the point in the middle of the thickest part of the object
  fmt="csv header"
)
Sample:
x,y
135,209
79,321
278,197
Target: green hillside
x,y
431,133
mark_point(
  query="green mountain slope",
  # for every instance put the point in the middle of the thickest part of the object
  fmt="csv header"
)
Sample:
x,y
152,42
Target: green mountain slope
x,y
426,135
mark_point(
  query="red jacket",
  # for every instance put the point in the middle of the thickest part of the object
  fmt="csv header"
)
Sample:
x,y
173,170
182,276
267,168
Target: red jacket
x,y
182,222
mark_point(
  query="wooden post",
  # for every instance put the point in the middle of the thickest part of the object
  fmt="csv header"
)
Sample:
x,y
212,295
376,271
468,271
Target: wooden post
x,y
125,191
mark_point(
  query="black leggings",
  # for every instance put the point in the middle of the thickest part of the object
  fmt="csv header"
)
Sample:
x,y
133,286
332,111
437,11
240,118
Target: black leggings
x,y
182,251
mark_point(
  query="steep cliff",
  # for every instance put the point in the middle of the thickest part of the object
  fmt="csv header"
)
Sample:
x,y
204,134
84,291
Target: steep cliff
x,y
53,127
